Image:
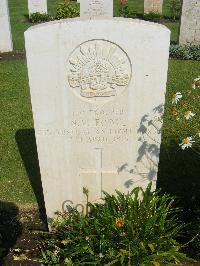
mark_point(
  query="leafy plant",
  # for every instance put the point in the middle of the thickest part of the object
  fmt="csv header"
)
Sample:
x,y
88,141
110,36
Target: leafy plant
x,y
185,52
175,8
124,9
155,17
39,17
139,228
67,9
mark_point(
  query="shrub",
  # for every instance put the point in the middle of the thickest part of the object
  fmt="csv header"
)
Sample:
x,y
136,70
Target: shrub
x,y
175,8
185,52
124,9
155,17
39,17
67,10
139,228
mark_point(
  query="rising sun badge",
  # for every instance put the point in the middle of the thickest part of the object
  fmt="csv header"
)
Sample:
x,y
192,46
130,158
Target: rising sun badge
x,y
98,68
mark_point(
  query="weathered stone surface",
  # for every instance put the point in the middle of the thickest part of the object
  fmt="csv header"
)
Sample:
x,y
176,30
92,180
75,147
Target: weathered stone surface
x,y
37,6
96,9
154,6
190,23
5,30
97,91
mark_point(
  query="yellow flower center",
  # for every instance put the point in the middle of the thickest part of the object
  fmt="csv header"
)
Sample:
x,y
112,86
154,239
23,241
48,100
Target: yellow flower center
x,y
174,96
187,113
186,141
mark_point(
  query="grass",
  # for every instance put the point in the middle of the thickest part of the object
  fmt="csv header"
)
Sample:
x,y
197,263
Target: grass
x,y
19,173
15,115
174,27
19,23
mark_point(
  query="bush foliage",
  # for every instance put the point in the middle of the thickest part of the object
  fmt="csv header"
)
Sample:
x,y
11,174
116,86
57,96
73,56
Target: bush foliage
x,y
67,10
175,8
139,228
39,17
185,52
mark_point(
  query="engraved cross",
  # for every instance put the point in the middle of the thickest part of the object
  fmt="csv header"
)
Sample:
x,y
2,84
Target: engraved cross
x,y
95,180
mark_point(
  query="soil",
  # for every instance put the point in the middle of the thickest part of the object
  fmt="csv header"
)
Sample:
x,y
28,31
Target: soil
x,y
20,231
12,55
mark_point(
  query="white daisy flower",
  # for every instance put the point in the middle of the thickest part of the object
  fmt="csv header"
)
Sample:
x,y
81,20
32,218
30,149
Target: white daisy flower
x,y
189,115
100,255
186,143
196,83
176,97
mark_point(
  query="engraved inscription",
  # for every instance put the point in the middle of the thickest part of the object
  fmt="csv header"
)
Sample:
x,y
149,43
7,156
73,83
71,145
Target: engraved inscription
x,y
94,126
194,25
36,3
190,23
98,68
96,8
153,6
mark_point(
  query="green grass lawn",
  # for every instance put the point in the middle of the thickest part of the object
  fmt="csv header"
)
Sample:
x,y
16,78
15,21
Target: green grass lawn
x,y
15,115
19,174
18,10
174,27
19,23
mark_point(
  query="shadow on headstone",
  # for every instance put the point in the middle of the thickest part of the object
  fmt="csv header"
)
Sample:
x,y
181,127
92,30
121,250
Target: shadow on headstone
x,y
146,166
25,139
10,227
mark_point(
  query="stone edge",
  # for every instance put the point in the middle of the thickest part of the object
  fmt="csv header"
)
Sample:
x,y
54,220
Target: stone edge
x,y
134,21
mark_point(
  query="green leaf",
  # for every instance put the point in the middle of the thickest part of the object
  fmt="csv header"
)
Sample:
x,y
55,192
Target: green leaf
x,y
151,246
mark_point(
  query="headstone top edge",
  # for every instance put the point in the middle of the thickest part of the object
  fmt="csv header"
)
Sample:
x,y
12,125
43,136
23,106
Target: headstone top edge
x,y
120,19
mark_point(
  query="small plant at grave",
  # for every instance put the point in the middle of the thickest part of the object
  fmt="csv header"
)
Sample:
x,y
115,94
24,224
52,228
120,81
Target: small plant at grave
x,y
191,52
175,8
67,9
139,228
155,17
184,112
39,17
124,9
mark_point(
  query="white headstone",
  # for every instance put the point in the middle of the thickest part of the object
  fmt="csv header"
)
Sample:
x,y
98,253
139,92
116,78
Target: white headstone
x,y
97,91
154,6
5,30
190,23
37,6
96,9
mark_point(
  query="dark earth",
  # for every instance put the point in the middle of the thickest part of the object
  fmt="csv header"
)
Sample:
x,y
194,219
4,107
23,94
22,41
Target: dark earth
x,y
20,232
12,55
